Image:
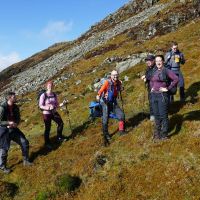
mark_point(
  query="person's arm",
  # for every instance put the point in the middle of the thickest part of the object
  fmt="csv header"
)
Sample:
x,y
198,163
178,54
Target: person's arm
x,y
174,79
17,115
103,88
3,123
42,103
182,59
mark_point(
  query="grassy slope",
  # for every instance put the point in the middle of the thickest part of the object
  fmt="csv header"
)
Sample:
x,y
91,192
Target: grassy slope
x,y
136,168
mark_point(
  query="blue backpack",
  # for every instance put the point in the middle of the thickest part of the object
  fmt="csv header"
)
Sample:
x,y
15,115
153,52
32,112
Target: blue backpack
x,y
96,111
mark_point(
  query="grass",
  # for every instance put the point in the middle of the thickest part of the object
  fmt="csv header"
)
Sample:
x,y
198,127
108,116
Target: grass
x,y
134,167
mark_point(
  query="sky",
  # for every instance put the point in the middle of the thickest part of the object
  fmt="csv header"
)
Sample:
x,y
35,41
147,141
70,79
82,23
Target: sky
x,y
29,26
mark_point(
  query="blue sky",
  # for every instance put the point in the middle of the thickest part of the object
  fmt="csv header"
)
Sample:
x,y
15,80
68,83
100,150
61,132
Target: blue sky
x,y
29,26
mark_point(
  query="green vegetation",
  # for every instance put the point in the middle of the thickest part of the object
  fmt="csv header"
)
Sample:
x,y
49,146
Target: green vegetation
x,y
135,167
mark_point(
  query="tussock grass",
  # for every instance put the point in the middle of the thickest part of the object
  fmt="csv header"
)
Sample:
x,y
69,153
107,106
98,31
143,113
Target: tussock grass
x,y
135,167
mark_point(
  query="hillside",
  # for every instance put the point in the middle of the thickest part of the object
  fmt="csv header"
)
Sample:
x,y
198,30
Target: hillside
x,y
133,167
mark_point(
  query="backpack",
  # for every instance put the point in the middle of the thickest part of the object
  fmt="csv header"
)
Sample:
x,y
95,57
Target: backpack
x,y
165,78
39,95
110,97
96,111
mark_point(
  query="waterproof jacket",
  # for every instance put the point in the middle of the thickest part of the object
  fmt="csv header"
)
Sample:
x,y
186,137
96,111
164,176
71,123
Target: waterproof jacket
x,y
148,74
156,81
103,92
46,100
4,114
173,60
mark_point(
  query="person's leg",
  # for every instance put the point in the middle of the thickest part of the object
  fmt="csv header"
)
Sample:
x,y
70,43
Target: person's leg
x,y
3,161
47,123
163,109
17,136
121,117
105,112
157,125
58,120
181,85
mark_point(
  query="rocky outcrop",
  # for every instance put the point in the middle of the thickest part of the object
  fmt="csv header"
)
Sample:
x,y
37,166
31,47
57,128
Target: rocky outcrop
x,y
30,79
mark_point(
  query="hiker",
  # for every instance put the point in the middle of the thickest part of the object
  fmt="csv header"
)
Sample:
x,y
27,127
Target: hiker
x,y
9,131
151,67
107,95
173,59
160,97
48,103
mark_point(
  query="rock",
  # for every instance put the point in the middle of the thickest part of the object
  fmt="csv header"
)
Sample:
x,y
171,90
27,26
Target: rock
x,y
78,82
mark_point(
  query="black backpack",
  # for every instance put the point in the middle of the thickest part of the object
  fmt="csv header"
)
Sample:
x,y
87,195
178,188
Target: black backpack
x,y
164,77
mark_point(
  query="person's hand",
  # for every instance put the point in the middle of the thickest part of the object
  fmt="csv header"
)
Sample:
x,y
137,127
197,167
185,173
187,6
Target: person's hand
x,y
12,124
143,78
97,97
51,107
152,89
163,89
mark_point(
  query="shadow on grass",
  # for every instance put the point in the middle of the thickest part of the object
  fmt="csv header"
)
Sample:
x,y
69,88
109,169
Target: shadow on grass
x,y
177,120
175,107
133,121
192,92
44,150
136,119
79,129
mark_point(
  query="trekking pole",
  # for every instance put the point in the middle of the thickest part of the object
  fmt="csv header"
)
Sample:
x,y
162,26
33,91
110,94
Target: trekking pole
x,y
67,112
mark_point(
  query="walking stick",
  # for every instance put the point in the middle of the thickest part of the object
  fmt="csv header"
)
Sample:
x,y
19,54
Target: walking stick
x,y
67,112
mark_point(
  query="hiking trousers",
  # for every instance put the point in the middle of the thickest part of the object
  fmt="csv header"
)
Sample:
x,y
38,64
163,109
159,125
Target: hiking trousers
x,y
17,136
47,121
181,85
160,105
13,134
106,109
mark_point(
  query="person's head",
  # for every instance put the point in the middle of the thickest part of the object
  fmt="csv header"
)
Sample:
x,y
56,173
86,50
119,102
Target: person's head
x,y
174,46
159,59
114,75
150,60
49,85
11,98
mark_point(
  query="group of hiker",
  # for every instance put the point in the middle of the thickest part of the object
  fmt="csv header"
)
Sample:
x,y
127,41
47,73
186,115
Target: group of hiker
x,y
162,76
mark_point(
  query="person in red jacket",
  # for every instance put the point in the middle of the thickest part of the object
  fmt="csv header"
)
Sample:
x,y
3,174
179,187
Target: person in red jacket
x,y
107,95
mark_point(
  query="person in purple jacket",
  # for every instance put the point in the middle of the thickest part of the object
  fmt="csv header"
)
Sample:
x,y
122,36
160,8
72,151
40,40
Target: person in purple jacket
x,y
160,97
48,103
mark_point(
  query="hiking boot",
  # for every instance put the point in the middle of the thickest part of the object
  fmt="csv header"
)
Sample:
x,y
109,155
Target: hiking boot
x,y
164,138
27,163
108,137
5,169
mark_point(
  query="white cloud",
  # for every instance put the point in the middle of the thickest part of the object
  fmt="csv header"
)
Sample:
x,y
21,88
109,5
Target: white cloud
x,y
56,29
9,59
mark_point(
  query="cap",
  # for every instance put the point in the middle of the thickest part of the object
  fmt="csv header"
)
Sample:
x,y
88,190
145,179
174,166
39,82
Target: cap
x,y
150,57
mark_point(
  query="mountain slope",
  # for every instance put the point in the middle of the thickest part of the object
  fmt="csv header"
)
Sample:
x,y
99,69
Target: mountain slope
x,y
132,167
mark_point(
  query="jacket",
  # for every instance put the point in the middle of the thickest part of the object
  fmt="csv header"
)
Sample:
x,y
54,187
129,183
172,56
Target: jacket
x,y
4,114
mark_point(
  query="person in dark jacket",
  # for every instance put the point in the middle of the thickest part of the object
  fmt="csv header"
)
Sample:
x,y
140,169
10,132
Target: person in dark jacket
x,y
173,59
107,95
160,97
9,131
151,67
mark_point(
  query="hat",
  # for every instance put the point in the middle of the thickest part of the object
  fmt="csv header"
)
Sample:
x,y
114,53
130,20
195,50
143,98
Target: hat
x,y
150,57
